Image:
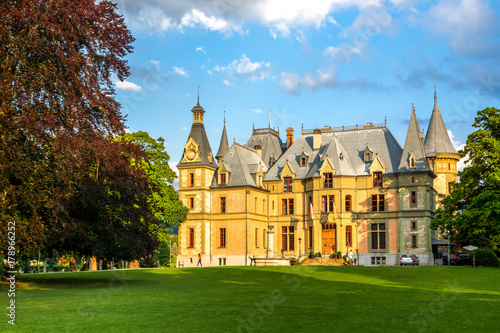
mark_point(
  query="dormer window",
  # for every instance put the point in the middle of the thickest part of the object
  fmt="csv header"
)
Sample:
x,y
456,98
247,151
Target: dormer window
x,y
328,180
377,179
413,162
287,184
368,155
303,159
222,179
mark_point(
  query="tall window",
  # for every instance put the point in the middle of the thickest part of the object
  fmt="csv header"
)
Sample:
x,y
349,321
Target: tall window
x,y
327,203
347,203
223,204
256,237
348,236
302,161
191,203
287,206
223,179
287,184
378,236
191,237
328,180
413,197
191,179
264,238
311,237
287,239
414,241
331,203
222,237
377,179
378,203
414,225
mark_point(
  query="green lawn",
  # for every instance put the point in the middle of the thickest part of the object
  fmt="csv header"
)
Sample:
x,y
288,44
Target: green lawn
x,y
255,299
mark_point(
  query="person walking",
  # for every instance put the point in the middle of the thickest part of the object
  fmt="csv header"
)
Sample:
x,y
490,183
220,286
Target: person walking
x,y
199,260
351,258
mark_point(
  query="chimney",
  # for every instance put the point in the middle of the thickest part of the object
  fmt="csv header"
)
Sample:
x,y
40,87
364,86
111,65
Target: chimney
x,y
316,139
259,150
289,137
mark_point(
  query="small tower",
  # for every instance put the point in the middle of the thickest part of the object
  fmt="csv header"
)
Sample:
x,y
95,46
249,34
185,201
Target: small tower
x,y
415,195
440,153
196,171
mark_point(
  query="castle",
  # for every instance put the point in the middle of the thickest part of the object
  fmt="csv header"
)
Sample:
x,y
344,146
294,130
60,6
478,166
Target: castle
x,y
329,190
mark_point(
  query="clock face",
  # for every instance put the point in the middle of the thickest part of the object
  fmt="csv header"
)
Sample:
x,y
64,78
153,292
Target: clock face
x,y
190,154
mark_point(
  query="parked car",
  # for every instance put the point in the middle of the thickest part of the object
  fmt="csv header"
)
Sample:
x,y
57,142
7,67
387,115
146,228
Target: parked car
x,y
463,258
408,259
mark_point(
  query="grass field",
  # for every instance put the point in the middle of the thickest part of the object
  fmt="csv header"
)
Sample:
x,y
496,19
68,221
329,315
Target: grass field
x,y
255,299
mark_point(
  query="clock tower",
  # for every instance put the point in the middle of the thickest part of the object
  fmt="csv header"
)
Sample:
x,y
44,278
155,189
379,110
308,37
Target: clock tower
x,y
196,171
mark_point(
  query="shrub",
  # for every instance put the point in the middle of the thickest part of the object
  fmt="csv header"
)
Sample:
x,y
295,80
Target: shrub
x,y
3,270
485,257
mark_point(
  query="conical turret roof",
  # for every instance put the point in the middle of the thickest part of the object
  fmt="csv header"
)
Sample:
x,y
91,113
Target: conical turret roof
x,y
414,148
224,145
437,139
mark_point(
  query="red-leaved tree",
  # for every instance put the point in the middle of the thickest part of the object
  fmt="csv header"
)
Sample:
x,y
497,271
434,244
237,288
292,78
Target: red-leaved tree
x,y
63,180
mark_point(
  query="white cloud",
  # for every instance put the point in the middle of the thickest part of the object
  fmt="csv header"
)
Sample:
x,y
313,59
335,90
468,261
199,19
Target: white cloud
x,y
228,16
312,82
257,110
154,62
227,82
180,71
200,48
127,85
244,67
184,128
173,166
470,26
458,146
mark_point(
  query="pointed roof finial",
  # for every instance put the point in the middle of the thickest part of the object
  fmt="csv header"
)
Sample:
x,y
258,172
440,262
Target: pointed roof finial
x,y
198,94
385,121
412,107
435,93
224,117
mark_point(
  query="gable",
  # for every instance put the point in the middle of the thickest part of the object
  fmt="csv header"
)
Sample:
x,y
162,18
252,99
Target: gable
x,y
377,165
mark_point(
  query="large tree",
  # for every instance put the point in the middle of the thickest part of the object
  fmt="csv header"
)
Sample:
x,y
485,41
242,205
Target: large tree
x,y
63,179
471,212
164,199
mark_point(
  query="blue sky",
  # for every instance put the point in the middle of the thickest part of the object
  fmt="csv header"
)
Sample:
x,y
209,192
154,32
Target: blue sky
x,y
307,63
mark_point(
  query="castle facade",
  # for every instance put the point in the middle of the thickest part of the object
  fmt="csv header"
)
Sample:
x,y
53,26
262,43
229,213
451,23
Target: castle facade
x,y
329,190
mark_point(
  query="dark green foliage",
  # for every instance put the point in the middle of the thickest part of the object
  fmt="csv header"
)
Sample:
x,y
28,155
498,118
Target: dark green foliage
x,y
486,257
471,213
3,268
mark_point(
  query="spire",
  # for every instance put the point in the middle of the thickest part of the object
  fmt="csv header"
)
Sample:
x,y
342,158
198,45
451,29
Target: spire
x,y
223,146
437,139
198,95
414,148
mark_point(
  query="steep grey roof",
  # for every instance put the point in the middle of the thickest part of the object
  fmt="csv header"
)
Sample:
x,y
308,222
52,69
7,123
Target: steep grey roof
x,y
437,139
413,147
242,164
199,136
344,149
270,142
223,146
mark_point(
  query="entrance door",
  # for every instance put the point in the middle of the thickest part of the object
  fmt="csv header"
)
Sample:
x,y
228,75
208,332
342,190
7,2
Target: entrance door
x,y
328,238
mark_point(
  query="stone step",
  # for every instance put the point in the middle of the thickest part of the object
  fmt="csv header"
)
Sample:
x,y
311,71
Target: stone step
x,y
323,262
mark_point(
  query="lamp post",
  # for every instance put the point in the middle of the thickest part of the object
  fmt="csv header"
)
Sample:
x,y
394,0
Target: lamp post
x,y
170,252
300,239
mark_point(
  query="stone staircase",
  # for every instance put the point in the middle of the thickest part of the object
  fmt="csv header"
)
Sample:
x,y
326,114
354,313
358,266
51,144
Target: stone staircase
x,y
325,261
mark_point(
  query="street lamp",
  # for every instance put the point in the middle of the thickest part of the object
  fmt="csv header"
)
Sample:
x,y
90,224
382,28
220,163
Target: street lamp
x,y
300,239
170,252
